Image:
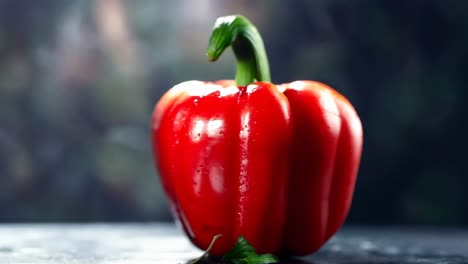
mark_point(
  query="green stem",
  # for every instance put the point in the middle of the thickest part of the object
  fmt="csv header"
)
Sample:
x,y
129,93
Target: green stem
x,y
247,44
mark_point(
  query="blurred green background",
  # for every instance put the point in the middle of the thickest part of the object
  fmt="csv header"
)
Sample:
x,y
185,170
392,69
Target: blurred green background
x,y
79,80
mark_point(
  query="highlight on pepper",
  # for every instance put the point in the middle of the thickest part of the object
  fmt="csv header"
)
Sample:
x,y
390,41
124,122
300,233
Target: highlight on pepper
x,y
275,164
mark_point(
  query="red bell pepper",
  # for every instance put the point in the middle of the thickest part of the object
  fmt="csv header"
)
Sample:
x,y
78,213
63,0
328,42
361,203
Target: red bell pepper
x,y
276,164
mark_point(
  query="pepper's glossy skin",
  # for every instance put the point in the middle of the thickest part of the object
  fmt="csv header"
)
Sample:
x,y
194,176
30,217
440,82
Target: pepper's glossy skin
x,y
276,164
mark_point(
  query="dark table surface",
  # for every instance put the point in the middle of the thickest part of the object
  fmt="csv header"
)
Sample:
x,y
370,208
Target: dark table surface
x,y
164,243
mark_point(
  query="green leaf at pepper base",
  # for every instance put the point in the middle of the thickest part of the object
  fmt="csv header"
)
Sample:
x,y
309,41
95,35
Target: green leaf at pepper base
x,y
244,253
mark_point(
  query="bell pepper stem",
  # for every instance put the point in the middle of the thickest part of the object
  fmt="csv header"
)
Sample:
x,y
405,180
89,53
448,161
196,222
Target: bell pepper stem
x,y
247,45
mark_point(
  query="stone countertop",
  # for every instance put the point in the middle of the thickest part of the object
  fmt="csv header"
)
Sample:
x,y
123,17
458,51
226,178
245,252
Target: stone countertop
x,y
164,243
